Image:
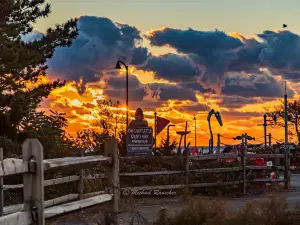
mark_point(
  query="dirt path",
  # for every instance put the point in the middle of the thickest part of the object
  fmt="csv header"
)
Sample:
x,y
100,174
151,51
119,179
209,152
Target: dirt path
x,y
150,207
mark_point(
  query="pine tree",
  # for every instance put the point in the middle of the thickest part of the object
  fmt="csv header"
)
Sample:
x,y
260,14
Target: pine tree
x,y
24,63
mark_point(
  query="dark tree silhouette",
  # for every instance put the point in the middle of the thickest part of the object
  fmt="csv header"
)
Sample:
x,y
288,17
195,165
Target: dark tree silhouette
x,y
168,147
293,117
23,64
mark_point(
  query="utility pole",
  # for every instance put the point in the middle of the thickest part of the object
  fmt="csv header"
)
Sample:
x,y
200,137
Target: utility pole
x,y
155,129
185,131
219,144
286,137
243,139
265,124
287,161
265,130
168,134
195,132
270,139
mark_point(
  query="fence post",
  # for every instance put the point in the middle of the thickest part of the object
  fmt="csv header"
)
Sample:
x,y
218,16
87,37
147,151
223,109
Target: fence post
x,y
111,150
34,182
219,144
287,165
1,186
244,161
81,178
187,161
187,170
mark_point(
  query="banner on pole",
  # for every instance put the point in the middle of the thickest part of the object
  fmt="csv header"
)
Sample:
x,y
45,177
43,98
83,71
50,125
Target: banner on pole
x,y
161,123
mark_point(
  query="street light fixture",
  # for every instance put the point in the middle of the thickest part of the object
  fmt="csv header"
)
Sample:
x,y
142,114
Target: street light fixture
x,y
118,66
168,134
219,119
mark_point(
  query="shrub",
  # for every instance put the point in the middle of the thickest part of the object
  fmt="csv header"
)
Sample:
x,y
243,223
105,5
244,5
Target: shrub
x,y
202,211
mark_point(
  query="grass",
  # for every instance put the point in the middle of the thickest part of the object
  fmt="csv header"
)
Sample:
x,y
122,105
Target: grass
x,y
202,211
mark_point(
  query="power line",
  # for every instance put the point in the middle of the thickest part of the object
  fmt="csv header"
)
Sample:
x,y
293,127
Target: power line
x,y
226,137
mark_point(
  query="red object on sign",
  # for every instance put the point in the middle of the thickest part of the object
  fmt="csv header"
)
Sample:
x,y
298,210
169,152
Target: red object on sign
x,y
161,123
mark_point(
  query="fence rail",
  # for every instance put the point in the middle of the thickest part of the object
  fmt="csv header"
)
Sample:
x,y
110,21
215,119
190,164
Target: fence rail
x,y
32,166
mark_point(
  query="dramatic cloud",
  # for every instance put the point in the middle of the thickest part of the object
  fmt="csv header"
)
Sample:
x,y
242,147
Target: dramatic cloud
x,y
172,92
254,85
217,53
155,91
213,50
172,67
139,56
99,45
236,101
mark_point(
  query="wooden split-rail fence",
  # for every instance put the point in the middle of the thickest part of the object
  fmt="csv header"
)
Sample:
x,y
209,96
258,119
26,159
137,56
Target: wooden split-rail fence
x,y
35,210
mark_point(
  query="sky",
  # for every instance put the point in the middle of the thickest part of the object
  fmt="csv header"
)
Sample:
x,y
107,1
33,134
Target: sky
x,y
234,58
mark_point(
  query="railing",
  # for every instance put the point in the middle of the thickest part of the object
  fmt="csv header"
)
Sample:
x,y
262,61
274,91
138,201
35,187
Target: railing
x,y
32,166
243,168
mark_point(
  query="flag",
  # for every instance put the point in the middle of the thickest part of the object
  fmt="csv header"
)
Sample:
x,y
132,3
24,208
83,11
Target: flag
x,y
161,123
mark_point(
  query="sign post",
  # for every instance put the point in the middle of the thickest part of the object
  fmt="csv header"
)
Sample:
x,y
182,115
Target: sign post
x,y
139,141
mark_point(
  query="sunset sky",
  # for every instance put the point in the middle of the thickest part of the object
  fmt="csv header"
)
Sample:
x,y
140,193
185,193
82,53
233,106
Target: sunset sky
x,y
185,57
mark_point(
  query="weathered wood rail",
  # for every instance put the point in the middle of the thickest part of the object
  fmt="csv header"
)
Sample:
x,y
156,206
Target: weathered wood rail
x,y
32,166
243,167
35,209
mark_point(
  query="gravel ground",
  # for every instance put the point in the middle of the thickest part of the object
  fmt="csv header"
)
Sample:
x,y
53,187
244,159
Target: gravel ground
x,y
149,207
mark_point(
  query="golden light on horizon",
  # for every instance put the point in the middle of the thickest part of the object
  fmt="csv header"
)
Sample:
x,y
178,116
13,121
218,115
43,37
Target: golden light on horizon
x,y
82,110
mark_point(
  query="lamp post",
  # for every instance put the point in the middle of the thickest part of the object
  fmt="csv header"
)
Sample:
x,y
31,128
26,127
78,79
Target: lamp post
x,y
195,132
118,66
219,119
168,134
286,137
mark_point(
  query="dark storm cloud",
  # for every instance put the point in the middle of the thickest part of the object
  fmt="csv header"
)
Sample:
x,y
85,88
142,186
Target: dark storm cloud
x,y
118,82
247,58
99,45
236,101
195,86
116,88
192,41
137,91
292,76
254,85
139,56
282,51
171,67
207,57
172,92
211,49
133,94
218,52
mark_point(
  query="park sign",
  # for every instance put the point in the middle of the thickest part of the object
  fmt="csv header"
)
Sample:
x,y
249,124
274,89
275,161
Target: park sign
x,y
139,141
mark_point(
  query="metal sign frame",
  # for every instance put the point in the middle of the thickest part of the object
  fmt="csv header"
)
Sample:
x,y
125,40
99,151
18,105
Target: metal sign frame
x,y
139,141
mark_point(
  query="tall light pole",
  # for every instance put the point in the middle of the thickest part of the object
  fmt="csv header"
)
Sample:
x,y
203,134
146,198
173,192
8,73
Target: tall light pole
x,y
219,119
168,134
195,132
118,66
286,137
